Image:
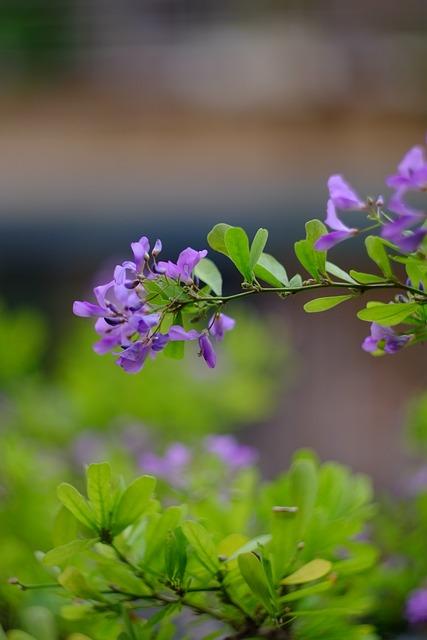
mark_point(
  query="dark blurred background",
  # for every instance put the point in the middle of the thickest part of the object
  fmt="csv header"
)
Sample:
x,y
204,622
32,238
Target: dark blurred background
x,y
163,117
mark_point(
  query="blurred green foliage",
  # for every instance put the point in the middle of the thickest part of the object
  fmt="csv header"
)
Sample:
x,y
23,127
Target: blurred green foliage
x,y
61,406
258,560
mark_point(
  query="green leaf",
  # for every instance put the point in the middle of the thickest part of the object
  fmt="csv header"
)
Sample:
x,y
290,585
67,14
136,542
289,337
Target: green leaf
x,y
307,591
308,572
216,237
366,278
387,314
133,502
176,555
312,260
271,271
252,545
323,304
74,502
296,281
74,581
376,251
303,490
284,539
363,556
257,246
237,244
65,527
254,575
16,634
99,491
39,619
158,530
209,273
336,271
202,544
62,554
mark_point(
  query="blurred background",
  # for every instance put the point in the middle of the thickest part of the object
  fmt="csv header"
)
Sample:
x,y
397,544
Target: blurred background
x,y
164,117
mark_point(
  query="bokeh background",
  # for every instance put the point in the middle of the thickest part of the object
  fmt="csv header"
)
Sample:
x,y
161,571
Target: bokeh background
x,y
163,117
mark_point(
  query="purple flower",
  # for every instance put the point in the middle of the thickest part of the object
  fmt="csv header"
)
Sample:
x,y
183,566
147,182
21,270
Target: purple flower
x,y
411,172
342,195
232,453
170,466
416,607
398,231
133,358
141,256
339,231
120,313
219,324
184,267
206,349
384,339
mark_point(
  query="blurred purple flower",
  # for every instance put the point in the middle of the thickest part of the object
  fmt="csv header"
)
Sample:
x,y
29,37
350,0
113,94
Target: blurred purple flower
x,y
219,324
177,333
339,232
416,607
411,172
170,466
399,230
87,448
417,483
183,269
207,351
342,195
232,453
384,339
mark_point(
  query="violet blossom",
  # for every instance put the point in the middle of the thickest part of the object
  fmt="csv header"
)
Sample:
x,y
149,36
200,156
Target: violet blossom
x,y
229,451
416,607
411,176
219,324
384,339
183,269
341,196
125,319
170,466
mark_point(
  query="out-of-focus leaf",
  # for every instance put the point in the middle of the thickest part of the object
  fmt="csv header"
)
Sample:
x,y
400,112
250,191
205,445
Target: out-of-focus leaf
x,y
209,273
257,246
74,502
309,572
133,502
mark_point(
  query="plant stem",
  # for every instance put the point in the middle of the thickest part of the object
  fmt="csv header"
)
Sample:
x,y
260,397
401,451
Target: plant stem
x,y
362,288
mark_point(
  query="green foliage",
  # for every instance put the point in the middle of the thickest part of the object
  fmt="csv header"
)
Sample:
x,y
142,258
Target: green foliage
x,y
182,557
324,304
209,273
387,315
312,260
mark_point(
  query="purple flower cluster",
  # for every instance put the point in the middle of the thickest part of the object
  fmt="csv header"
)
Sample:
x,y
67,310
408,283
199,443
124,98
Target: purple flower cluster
x,y
174,463
125,319
406,230
416,607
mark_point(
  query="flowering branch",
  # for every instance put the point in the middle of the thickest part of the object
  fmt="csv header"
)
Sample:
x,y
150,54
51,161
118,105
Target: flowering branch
x,y
151,306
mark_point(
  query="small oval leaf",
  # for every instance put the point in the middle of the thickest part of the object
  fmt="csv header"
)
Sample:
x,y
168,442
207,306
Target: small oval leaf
x,y
323,304
308,572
